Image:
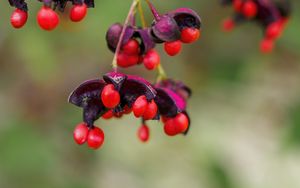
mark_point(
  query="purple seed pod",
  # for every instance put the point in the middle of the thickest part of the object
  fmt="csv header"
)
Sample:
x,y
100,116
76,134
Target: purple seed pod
x,y
165,29
186,17
20,4
88,94
143,35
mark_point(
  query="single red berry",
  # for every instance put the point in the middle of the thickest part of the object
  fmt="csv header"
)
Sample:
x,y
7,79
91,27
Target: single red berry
x,y
273,30
164,119
109,114
237,5
170,128
118,114
139,106
189,35
95,138
18,18
151,59
47,18
249,9
125,60
143,133
110,97
80,133
78,12
181,122
266,45
228,25
150,111
132,47
172,48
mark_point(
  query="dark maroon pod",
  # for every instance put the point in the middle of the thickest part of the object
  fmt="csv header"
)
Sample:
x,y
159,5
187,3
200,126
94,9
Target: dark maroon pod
x,y
165,29
20,4
143,35
88,94
186,17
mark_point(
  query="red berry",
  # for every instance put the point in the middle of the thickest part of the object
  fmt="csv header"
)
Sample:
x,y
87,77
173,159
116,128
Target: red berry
x,y
18,18
189,35
228,25
132,47
151,59
237,5
181,122
143,133
109,114
78,12
118,115
170,128
139,106
164,119
266,45
47,18
273,31
95,138
110,97
80,133
125,60
172,48
249,9
150,111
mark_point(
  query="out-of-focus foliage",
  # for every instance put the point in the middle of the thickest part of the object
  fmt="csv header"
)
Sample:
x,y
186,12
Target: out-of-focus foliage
x,y
245,107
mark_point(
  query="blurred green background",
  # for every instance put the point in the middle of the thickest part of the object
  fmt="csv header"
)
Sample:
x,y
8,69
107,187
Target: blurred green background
x,y
245,107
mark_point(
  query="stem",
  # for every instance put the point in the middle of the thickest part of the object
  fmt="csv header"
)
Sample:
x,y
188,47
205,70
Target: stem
x,y
142,16
153,10
130,12
161,73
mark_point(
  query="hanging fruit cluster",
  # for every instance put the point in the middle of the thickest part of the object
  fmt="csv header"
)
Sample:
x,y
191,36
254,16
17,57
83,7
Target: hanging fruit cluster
x,y
272,15
47,18
118,94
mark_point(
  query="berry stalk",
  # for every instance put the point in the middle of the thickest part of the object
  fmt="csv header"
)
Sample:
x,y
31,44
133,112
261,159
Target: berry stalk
x,y
130,12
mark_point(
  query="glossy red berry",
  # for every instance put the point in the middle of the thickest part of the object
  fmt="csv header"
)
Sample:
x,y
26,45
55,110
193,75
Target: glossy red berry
x,y
80,133
18,18
132,47
110,97
151,59
127,110
143,133
181,122
189,35
172,48
170,128
125,60
95,138
150,111
47,18
228,25
78,12
266,45
249,9
237,5
109,114
273,31
139,106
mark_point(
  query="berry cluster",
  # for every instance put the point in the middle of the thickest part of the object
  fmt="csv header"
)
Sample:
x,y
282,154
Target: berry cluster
x,y
173,28
47,18
118,94
272,15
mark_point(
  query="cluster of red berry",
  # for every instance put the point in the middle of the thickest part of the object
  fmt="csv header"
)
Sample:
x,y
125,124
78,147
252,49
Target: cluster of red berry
x,y
272,15
47,18
138,43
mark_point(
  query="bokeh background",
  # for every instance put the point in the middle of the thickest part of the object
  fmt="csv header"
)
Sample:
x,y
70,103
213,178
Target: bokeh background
x,y
245,107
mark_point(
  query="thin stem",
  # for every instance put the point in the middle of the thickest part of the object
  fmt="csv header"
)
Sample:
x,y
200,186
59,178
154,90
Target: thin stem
x,y
130,12
161,73
153,10
141,13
